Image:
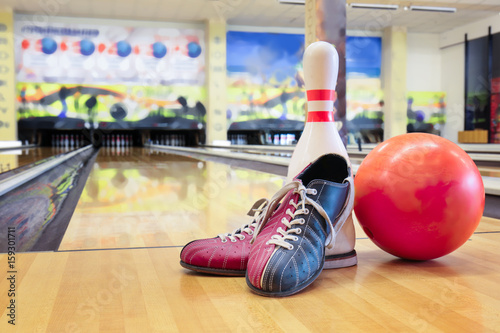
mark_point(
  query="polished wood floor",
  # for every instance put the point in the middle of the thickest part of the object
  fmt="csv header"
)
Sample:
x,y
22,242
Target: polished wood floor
x,y
117,269
15,158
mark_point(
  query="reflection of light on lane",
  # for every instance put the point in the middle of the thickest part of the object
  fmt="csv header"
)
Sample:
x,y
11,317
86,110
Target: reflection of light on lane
x,y
163,200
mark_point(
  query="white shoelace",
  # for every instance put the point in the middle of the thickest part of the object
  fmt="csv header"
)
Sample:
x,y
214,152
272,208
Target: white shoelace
x,y
284,235
257,210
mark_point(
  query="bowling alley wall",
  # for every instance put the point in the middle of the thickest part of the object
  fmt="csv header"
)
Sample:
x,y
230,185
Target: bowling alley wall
x,y
80,73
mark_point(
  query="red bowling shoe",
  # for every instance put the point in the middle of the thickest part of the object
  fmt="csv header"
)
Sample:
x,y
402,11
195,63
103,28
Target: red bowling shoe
x,y
226,254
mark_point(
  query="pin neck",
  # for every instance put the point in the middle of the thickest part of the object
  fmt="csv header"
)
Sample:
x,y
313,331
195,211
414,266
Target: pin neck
x,y
320,95
320,116
320,105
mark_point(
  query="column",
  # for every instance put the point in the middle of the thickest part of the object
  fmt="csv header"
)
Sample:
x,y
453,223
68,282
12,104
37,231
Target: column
x,y
394,81
8,123
325,20
216,81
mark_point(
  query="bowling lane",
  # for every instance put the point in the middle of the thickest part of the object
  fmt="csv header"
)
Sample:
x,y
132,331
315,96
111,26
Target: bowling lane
x,y
490,171
147,198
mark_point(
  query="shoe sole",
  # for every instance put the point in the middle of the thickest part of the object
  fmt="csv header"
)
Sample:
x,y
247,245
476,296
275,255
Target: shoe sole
x,y
334,261
341,260
213,271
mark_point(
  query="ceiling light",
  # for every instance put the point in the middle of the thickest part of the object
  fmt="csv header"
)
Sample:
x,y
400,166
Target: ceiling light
x,y
433,9
292,2
374,6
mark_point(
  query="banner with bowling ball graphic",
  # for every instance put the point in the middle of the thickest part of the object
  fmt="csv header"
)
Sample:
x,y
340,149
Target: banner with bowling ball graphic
x,y
99,73
265,76
266,80
112,102
81,53
364,95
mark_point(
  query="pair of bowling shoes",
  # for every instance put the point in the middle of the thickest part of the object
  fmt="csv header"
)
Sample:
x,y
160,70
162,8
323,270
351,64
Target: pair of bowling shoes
x,y
306,227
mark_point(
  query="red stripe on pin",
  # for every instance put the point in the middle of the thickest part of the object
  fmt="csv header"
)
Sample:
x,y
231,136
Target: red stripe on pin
x,y
319,116
320,95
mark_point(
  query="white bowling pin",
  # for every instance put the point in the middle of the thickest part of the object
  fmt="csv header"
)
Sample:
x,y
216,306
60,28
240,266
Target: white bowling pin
x,y
320,135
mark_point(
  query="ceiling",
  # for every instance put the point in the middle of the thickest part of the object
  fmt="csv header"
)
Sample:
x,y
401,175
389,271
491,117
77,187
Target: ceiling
x,y
263,13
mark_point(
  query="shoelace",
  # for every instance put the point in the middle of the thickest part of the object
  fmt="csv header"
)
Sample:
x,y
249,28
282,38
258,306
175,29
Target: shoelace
x,y
256,211
285,235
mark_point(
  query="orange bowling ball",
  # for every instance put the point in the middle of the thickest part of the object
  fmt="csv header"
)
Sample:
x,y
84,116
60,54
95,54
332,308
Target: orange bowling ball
x,y
418,196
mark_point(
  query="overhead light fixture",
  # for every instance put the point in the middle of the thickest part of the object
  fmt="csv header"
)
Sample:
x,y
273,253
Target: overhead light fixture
x,y
292,2
433,9
374,6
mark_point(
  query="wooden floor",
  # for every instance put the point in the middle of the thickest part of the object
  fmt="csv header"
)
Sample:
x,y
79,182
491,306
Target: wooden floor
x,y
117,269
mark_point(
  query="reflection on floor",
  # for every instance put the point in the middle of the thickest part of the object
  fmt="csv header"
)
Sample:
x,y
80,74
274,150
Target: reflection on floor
x,y
150,198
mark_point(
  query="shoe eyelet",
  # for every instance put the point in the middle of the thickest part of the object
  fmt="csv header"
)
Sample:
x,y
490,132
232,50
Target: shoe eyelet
x,y
233,240
250,232
303,221
290,247
306,211
224,241
299,231
296,238
314,191
242,237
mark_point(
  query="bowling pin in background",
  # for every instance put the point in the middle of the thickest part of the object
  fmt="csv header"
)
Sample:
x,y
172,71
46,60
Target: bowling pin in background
x,y
320,135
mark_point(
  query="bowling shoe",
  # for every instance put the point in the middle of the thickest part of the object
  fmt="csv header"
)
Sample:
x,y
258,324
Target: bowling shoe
x,y
226,254
288,250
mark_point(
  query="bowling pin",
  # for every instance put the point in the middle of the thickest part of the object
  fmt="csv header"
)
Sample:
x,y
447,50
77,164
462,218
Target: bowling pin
x,y
320,135
118,140
72,141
